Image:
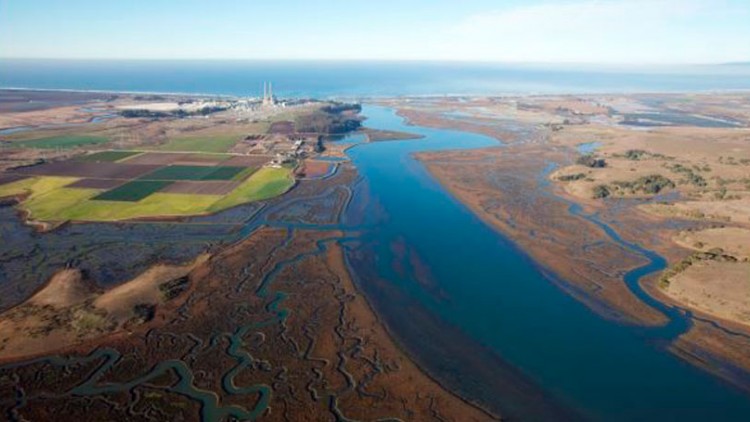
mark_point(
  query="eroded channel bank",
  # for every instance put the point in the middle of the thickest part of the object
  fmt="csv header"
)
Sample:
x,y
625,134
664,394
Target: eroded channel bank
x,y
270,326
477,281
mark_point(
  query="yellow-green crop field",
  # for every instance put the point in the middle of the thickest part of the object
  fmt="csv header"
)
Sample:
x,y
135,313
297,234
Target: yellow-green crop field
x,y
48,199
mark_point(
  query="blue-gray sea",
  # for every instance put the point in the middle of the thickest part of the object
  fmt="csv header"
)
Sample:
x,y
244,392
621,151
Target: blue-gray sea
x,y
325,79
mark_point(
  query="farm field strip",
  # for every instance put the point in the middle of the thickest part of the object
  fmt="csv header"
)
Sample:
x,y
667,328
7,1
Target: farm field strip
x,y
156,158
50,205
221,143
62,141
155,205
266,183
96,183
107,156
133,191
35,186
203,159
248,160
181,172
97,170
244,174
201,188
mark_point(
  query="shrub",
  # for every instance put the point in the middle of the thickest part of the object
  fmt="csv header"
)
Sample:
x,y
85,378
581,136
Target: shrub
x,y
571,177
144,312
589,160
173,288
691,176
651,184
601,191
634,154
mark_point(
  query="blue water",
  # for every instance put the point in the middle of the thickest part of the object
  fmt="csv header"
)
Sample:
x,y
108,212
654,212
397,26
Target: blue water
x,y
356,79
588,147
607,371
492,291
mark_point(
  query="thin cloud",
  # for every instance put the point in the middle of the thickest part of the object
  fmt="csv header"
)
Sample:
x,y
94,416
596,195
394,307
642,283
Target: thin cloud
x,y
601,31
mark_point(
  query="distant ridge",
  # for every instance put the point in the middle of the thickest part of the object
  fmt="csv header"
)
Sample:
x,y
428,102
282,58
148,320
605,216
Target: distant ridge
x,y
736,64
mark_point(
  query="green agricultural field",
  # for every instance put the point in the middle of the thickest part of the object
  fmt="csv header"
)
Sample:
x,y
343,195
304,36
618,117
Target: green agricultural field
x,y
133,191
52,206
263,184
62,141
178,172
224,173
156,205
35,186
108,156
222,143
244,174
48,199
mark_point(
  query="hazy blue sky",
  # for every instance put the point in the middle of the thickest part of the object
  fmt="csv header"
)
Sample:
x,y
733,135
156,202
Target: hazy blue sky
x,y
604,31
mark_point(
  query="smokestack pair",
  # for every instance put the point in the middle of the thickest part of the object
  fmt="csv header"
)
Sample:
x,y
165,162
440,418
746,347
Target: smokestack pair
x,y
267,93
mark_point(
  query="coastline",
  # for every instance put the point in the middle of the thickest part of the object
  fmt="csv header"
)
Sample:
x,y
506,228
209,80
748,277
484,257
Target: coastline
x,y
108,91
378,98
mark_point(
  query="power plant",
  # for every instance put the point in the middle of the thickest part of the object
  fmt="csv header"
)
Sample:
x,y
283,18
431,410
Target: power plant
x,y
268,99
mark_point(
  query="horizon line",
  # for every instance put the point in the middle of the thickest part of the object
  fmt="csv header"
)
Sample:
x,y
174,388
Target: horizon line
x,y
383,60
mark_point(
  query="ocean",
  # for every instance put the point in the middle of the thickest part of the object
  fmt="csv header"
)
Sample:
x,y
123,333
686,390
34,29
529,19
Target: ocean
x,y
327,79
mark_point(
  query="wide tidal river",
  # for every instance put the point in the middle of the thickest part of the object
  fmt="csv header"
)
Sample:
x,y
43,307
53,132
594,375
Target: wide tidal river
x,y
481,291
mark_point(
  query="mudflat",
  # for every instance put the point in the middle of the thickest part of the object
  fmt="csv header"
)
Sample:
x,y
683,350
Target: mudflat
x,y
569,164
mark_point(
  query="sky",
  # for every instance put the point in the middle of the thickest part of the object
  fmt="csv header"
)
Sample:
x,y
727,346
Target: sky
x,y
544,31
